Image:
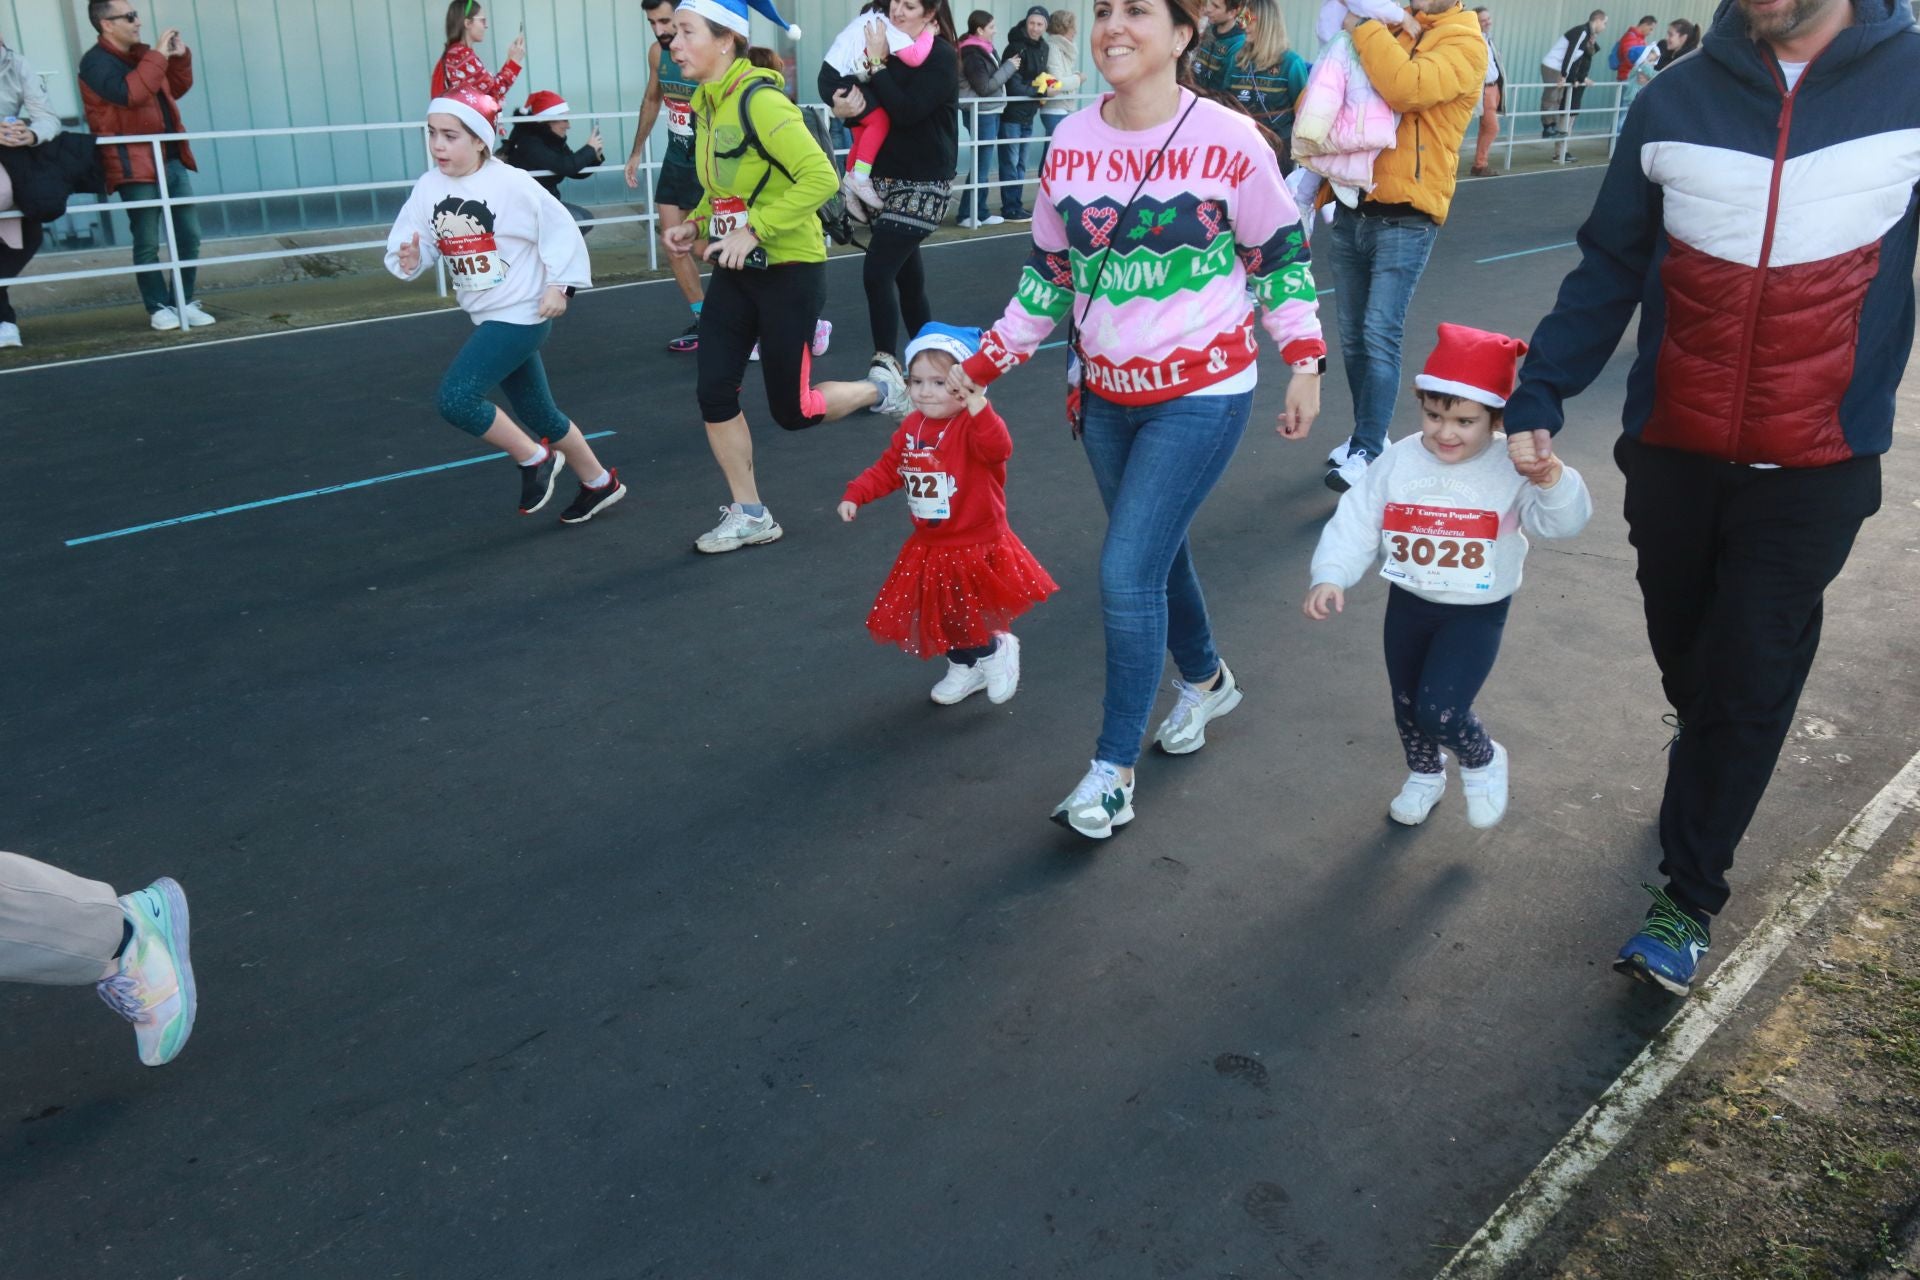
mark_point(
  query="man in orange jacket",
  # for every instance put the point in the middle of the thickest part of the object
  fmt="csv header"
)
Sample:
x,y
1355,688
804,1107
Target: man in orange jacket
x,y
130,89
1430,70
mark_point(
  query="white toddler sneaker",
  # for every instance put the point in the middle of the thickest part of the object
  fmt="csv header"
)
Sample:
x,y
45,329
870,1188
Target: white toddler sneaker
x,y
1417,797
1486,790
1002,667
959,684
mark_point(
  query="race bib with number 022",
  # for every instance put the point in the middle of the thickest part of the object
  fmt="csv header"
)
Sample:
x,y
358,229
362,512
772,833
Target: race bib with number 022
x,y
474,263
1438,548
929,494
729,215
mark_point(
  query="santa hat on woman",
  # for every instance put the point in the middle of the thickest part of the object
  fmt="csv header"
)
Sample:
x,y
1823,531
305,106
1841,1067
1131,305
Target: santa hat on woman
x,y
546,105
476,110
1474,365
733,14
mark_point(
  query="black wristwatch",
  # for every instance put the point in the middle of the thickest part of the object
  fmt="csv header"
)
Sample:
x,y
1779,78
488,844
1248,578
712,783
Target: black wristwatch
x,y
571,291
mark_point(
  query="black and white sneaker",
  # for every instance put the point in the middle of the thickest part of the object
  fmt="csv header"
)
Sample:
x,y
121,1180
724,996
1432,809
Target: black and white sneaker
x,y
589,503
1346,467
538,480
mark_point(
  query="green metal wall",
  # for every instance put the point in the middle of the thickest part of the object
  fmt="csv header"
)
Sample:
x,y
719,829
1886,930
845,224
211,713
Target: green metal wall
x,y
303,62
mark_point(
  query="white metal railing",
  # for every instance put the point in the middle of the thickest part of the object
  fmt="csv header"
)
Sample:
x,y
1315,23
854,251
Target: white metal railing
x,y
971,178
1615,112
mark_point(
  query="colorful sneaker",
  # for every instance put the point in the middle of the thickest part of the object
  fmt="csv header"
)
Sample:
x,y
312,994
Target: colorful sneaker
x,y
959,684
537,481
688,339
589,503
1668,947
1002,667
1184,731
1418,795
1486,790
822,337
1099,804
154,986
737,529
884,373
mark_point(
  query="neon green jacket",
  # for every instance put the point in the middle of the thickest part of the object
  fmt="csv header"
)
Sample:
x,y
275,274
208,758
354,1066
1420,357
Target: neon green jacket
x,y
783,214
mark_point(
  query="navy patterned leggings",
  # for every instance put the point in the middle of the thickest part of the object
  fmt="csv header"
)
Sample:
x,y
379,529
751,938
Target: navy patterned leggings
x,y
1438,656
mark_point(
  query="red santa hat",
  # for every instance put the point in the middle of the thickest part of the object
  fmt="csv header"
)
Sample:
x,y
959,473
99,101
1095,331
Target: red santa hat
x,y
547,105
474,109
1474,365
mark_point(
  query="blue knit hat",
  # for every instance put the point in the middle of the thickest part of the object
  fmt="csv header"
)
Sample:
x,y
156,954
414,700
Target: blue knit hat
x,y
732,14
955,340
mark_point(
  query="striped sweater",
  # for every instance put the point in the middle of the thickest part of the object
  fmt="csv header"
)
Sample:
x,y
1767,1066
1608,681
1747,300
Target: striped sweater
x,y
1170,316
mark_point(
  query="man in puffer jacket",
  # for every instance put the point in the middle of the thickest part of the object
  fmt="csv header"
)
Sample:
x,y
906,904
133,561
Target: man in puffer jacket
x,y
1760,212
128,89
1430,70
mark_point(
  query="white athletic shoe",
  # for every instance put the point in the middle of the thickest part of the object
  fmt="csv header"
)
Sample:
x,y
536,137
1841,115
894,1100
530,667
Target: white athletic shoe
x,y
1002,667
822,337
1417,797
992,220
166,320
894,400
1486,790
970,223
754,354
1185,728
737,529
959,684
1099,804
196,316
9,334
859,186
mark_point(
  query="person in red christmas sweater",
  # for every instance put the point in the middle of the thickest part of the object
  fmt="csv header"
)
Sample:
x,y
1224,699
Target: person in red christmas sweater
x,y
460,67
963,576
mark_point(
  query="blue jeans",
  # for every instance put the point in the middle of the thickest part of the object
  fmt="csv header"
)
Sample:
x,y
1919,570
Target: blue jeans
x,y
1049,121
1013,165
156,287
1377,262
973,204
1155,464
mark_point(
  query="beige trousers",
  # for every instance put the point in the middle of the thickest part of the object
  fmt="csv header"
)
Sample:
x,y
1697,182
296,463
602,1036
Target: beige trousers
x,y
55,928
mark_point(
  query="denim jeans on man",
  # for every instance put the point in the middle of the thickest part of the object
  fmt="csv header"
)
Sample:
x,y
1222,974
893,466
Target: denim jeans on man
x,y
1013,165
156,287
1377,261
1154,464
980,164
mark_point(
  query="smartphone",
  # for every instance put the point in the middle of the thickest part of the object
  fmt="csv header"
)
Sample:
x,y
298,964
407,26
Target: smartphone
x,y
756,259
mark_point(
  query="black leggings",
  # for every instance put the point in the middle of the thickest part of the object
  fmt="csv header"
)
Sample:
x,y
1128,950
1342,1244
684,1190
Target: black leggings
x,y
893,263
1438,656
14,261
777,307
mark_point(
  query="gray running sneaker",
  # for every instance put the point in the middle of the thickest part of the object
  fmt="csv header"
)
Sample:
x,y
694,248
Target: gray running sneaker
x,y
737,529
1185,728
885,374
1099,805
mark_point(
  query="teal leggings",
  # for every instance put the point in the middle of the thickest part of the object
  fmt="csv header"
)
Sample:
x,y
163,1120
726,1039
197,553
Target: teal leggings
x,y
505,356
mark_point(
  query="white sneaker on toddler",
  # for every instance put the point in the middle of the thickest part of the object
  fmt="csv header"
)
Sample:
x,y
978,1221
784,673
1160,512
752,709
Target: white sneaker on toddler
x,y
1002,667
1418,795
1486,790
959,684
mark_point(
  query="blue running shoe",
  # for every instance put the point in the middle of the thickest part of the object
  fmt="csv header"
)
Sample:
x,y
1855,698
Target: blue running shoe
x,y
154,986
1668,947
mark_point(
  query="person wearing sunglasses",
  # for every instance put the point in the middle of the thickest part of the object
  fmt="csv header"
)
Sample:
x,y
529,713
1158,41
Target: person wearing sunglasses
x,y
131,88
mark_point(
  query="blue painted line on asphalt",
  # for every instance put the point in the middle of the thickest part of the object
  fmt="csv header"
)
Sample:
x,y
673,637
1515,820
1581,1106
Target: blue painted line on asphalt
x,y
295,497
1545,248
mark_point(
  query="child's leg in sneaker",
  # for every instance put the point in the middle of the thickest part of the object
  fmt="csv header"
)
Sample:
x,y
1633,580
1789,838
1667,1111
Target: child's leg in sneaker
x,y
56,929
531,398
1461,657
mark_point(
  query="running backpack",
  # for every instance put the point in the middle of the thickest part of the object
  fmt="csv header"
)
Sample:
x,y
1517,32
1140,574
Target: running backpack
x,y
834,219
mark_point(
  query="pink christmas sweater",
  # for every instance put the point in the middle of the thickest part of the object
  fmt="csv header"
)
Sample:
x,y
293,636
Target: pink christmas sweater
x,y
1171,316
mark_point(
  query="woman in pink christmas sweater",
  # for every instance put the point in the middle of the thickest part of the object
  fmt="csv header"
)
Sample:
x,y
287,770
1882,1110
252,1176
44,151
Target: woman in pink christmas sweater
x,y
460,67
1158,211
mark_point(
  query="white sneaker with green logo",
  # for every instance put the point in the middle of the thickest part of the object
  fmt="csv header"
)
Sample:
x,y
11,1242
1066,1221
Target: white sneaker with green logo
x,y
153,988
1099,804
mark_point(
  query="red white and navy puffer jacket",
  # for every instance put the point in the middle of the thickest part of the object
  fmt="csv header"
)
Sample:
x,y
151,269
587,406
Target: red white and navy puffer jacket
x,y
1767,237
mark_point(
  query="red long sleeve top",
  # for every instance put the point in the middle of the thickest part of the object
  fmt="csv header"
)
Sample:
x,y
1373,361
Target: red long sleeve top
x,y
970,450
460,68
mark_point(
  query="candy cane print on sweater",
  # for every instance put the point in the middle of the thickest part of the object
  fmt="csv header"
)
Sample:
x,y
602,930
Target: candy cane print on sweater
x,y
1170,316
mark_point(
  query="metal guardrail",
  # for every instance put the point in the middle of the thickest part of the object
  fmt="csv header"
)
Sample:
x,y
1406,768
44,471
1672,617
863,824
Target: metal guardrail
x,y
650,167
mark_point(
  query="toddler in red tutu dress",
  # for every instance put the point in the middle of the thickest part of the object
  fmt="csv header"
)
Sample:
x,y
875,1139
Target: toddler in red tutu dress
x,y
963,576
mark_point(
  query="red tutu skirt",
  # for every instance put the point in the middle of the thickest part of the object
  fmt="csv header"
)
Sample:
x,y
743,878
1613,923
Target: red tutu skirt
x,y
942,597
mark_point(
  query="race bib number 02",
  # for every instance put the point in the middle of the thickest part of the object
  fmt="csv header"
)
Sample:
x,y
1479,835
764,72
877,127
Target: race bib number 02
x,y
729,215
473,263
1438,548
929,494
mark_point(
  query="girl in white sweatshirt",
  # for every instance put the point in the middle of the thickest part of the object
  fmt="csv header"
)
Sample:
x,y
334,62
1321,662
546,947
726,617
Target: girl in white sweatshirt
x,y
515,257
1446,508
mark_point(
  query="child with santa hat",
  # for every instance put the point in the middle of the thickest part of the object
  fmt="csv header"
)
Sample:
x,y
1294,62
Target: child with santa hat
x,y
1446,510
